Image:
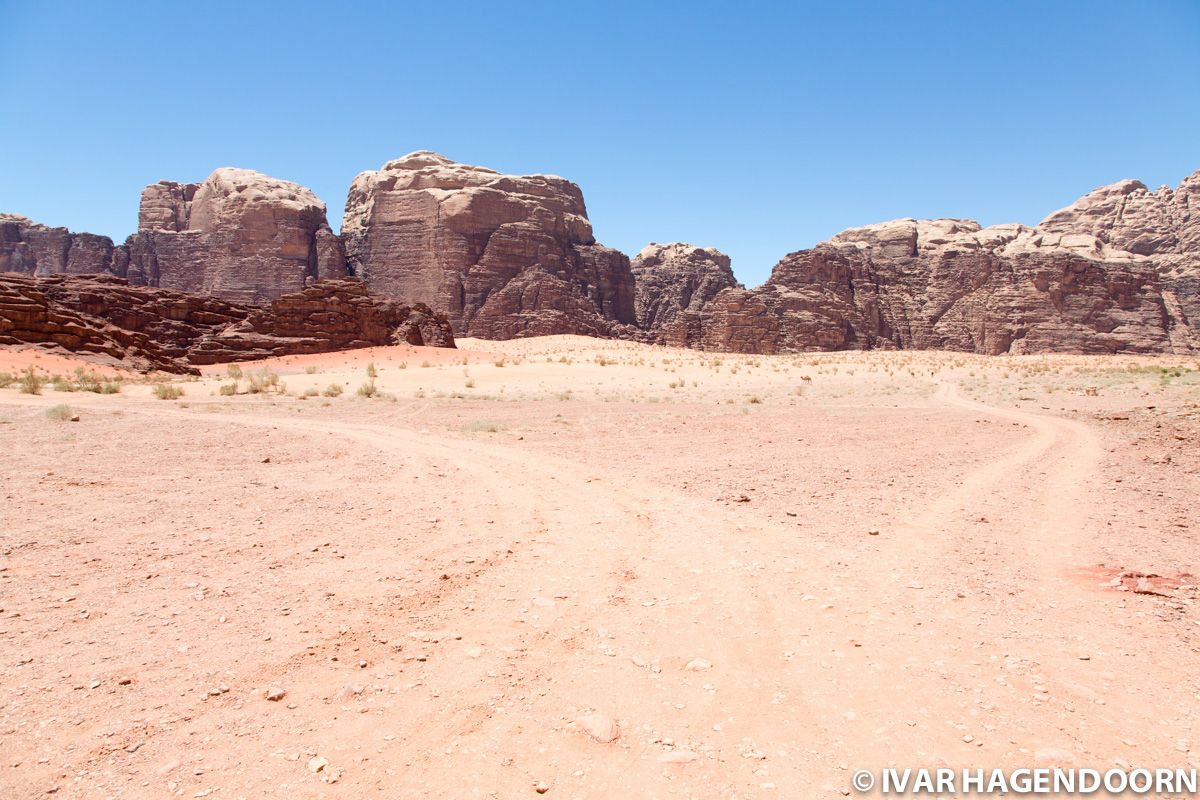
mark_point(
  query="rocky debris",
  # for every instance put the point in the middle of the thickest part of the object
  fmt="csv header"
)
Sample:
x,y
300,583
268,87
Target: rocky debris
x,y
947,284
504,255
673,283
33,249
159,329
274,694
239,236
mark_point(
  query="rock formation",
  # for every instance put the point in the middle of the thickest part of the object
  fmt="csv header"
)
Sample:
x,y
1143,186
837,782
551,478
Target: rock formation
x,y
151,328
34,249
1118,271
1163,226
239,236
673,284
503,255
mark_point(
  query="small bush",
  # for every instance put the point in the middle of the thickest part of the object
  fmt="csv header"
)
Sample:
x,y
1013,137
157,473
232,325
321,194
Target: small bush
x,y
332,390
234,372
31,382
310,392
264,380
229,389
483,426
311,369
470,384
7,379
755,400
168,391
62,414
368,389
371,371
61,384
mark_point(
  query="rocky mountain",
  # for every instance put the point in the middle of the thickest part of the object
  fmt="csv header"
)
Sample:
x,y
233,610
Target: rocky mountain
x,y
673,283
33,249
1115,272
153,328
239,236
507,256
502,255
1163,226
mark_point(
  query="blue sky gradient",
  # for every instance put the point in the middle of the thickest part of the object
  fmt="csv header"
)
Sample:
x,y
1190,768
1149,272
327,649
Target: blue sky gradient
x,y
757,128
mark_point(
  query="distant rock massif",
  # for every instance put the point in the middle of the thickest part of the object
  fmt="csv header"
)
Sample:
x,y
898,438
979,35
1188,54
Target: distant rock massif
x,y
504,256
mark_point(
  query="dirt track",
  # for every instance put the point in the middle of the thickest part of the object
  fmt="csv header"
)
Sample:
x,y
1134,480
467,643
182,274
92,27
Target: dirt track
x,y
766,582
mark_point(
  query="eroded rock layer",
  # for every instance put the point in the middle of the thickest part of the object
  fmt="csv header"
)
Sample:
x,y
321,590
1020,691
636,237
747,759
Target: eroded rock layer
x,y
152,328
503,255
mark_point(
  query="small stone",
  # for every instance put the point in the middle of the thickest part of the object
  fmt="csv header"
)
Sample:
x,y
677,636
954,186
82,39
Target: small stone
x,y
677,757
603,729
697,665
274,694
541,787
317,763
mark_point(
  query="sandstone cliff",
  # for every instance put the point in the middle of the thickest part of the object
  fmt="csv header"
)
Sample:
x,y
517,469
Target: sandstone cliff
x,y
1115,272
240,236
674,282
151,328
503,255
33,249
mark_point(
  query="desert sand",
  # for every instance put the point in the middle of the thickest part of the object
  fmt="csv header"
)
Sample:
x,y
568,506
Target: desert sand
x,y
592,569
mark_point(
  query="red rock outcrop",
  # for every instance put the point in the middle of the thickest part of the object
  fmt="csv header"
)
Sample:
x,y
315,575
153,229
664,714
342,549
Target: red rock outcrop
x,y
240,236
33,249
1117,271
1163,226
674,282
151,328
503,255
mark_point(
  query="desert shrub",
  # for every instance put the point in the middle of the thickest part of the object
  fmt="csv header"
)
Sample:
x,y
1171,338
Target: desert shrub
x,y
7,379
332,390
234,371
755,400
470,384
310,392
61,413
483,426
31,382
229,389
368,389
371,371
311,369
168,391
263,380
61,384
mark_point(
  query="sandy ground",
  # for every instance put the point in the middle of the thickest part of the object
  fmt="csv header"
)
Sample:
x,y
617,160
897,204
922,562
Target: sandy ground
x,y
762,573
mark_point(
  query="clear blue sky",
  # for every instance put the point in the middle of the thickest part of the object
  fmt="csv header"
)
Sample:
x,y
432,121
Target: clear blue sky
x,y
755,128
